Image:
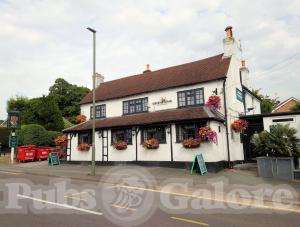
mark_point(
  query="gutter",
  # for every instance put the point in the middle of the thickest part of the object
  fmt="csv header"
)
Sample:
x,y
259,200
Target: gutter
x,y
226,125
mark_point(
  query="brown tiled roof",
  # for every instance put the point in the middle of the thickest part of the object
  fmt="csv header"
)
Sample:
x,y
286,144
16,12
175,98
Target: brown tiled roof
x,y
208,69
165,116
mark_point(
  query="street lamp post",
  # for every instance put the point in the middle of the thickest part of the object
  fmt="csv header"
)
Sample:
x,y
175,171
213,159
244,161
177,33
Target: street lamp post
x,y
93,109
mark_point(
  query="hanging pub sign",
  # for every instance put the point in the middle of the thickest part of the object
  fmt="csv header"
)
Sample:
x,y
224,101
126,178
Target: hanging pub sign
x,y
199,164
13,120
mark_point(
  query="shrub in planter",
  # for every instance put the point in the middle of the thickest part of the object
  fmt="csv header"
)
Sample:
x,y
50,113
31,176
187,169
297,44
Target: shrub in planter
x,y
239,126
279,142
120,145
151,143
214,102
191,143
206,134
84,147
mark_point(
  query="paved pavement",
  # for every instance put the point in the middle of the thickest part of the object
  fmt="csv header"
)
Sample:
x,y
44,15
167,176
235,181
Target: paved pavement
x,y
128,196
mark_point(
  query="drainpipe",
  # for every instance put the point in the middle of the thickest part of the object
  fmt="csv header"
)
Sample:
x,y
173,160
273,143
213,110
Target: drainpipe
x,y
226,124
171,141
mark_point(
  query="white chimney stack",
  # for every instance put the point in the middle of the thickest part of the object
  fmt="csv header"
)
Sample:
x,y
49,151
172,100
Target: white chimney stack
x,y
244,74
229,44
99,79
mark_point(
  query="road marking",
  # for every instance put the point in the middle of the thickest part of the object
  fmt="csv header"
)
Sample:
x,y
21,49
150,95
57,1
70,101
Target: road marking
x,y
60,205
190,221
217,200
14,173
127,208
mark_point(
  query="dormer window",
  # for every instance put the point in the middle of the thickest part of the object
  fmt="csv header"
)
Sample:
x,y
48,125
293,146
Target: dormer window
x,y
100,111
135,106
194,97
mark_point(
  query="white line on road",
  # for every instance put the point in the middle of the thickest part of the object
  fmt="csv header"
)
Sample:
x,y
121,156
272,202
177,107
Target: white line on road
x,y
60,205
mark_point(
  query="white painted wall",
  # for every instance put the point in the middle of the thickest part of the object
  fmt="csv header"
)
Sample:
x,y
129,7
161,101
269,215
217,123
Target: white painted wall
x,y
114,107
250,102
268,121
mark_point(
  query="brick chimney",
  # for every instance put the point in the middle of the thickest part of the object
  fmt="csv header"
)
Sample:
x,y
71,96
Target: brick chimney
x,y
244,73
99,79
147,69
229,44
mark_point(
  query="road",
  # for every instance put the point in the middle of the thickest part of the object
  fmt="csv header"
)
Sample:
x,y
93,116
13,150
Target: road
x,y
115,205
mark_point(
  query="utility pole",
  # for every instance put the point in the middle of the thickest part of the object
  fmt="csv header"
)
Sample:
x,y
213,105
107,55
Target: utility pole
x,y
93,109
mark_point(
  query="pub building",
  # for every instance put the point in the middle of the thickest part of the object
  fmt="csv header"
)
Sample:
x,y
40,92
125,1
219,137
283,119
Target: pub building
x,y
154,118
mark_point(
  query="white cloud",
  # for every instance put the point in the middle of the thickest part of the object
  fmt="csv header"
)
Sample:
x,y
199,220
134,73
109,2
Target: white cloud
x,y
43,40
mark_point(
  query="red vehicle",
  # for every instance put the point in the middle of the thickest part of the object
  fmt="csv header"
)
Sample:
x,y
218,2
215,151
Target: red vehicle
x,y
26,153
42,153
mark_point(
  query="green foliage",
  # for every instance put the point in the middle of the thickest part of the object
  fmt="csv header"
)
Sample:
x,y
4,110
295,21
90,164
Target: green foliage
x,y
267,103
52,136
4,136
68,97
296,107
281,141
33,134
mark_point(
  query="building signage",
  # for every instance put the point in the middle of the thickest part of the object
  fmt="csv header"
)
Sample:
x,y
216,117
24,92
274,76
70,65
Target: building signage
x,y
13,120
162,101
239,95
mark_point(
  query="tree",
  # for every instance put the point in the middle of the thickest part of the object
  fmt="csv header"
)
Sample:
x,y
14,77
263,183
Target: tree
x,y
68,97
296,107
280,141
267,103
48,114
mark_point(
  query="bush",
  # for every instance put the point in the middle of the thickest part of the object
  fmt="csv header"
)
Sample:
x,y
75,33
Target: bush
x,y
280,141
33,134
52,136
4,136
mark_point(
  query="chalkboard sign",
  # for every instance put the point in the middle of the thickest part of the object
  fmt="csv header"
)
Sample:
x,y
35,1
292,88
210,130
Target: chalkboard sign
x,y
199,163
53,159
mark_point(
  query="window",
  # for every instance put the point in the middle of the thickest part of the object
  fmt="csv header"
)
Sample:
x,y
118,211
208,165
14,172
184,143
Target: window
x,y
186,131
283,119
158,133
121,134
239,95
85,137
135,106
190,97
100,111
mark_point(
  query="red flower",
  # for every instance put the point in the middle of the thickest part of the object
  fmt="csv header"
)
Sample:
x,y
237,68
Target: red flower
x,y
80,118
239,126
84,147
151,143
214,102
120,145
206,134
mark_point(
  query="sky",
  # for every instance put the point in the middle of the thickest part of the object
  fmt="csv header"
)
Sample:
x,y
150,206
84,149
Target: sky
x,y
41,40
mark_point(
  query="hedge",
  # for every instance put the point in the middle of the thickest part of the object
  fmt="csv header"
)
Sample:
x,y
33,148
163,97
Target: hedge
x,y
4,136
36,134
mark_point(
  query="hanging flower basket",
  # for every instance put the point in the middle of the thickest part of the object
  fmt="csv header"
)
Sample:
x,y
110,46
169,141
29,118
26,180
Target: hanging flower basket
x,y
191,143
214,102
151,144
206,134
84,147
120,145
239,126
61,141
80,118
